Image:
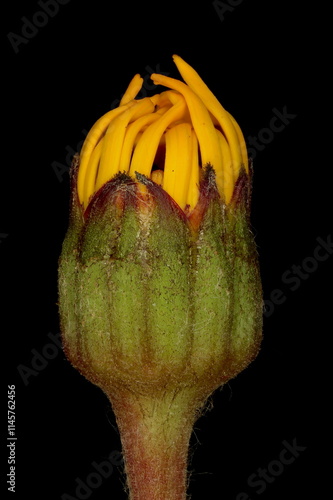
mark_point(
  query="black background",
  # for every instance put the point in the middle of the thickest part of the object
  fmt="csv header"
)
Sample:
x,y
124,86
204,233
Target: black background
x,y
262,56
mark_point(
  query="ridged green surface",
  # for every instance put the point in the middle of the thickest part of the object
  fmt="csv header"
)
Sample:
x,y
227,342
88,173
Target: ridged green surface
x,y
146,301
246,327
212,292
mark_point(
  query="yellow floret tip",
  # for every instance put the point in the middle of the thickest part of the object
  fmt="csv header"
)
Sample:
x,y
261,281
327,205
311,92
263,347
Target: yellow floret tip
x,y
186,123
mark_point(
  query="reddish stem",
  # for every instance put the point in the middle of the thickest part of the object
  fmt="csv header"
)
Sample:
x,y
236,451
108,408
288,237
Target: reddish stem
x,y
155,433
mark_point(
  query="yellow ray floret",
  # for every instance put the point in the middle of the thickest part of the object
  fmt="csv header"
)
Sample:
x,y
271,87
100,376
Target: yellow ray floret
x,y
187,122
145,151
201,121
132,90
195,82
114,138
92,139
178,162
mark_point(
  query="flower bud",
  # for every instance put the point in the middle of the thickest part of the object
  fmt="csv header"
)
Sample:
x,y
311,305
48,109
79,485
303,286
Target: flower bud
x,y
159,288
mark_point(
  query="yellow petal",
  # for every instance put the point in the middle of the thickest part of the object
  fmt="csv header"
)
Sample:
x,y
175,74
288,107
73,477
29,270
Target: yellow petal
x,y
130,138
178,162
201,120
93,137
90,178
193,183
114,138
132,90
242,144
195,82
225,180
145,151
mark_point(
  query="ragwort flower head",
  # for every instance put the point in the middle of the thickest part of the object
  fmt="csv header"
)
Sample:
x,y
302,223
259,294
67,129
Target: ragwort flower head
x,y
159,288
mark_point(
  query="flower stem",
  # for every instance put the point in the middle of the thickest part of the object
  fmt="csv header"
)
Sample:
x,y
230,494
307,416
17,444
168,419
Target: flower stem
x,y
155,431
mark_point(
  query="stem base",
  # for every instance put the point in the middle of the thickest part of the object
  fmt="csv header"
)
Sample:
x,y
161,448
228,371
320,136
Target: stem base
x,y
155,432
